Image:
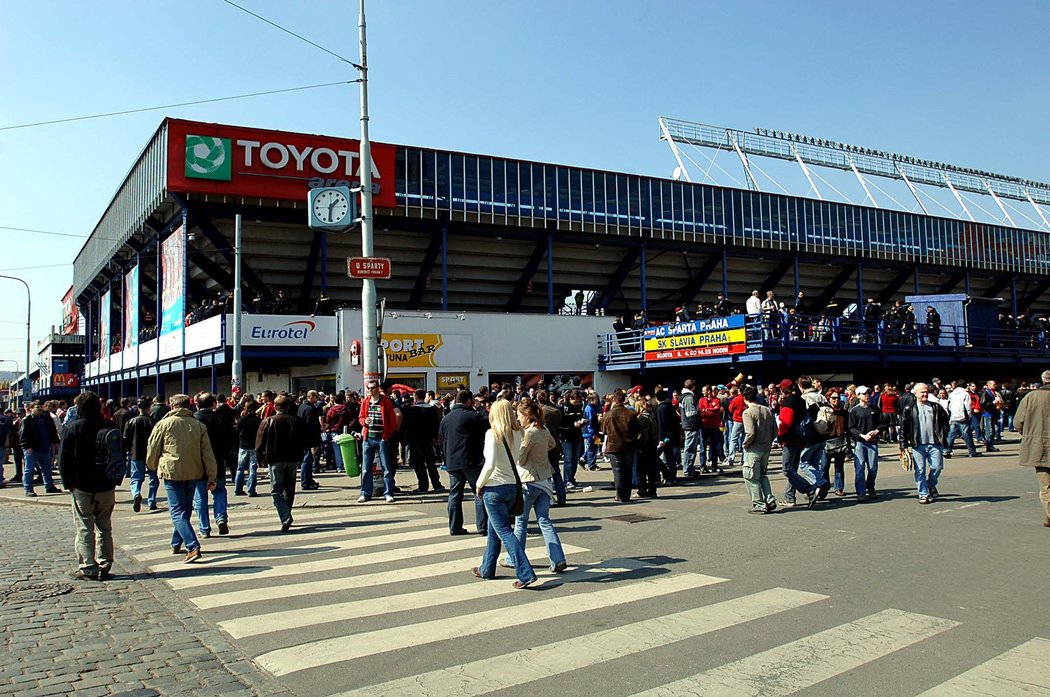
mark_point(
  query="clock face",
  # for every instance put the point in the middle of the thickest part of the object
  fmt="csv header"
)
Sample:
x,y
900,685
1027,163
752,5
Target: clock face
x,y
331,206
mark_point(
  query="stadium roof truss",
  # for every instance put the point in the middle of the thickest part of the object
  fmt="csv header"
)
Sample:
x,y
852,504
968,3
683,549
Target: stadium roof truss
x,y
810,152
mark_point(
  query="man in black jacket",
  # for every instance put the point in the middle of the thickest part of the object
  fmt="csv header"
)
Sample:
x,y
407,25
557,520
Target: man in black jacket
x,y
281,442
924,429
669,434
462,436
311,418
223,439
420,426
136,435
93,494
39,440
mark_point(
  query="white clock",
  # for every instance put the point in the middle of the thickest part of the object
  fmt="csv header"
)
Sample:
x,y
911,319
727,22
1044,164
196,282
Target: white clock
x,y
332,208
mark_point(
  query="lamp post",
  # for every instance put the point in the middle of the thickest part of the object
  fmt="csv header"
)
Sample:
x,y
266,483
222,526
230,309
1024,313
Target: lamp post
x,y
27,390
369,328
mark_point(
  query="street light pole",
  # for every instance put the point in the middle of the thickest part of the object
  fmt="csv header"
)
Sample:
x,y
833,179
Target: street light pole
x,y
27,390
237,368
369,331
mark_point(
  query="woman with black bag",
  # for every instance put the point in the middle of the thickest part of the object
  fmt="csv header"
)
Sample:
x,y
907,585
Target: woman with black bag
x,y
499,487
837,446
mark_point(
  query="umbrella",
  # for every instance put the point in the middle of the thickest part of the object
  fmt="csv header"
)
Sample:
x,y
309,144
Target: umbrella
x,y
398,387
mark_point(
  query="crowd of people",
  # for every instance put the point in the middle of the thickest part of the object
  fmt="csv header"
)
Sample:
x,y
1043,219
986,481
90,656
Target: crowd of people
x,y
518,450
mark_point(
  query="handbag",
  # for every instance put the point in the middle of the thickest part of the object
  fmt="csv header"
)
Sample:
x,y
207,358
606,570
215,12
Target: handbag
x,y
837,446
519,499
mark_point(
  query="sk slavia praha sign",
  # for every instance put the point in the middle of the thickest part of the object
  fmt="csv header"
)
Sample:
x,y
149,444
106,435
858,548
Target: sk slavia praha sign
x,y
702,338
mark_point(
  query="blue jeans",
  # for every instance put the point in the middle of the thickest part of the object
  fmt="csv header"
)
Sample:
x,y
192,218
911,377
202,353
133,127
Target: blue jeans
x,y
306,469
736,441
572,451
559,483
791,455
457,484
498,500
40,459
590,452
538,499
927,464
865,466
813,461
282,488
138,475
993,429
200,502
245,463
371,448
180,499
692,442
961,429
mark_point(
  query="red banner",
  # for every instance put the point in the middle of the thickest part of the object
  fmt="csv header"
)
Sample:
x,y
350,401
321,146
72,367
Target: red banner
x,y
211,158
699,352
70,313
65,380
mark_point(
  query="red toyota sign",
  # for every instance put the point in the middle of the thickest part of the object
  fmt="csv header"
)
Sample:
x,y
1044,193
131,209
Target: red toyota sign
x,y
210,158
368,267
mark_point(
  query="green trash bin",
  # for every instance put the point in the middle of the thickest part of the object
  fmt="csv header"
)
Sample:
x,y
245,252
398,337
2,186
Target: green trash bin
x,y
347,445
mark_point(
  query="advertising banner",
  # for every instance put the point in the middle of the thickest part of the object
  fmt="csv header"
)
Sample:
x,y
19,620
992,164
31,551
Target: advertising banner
x,y
131,308
70,314
289,331
236,161
65,380
450,382
173,293
104,325
428,350
705,338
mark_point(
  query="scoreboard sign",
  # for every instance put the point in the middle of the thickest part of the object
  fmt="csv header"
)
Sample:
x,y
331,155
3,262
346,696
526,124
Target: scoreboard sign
x,y
703,338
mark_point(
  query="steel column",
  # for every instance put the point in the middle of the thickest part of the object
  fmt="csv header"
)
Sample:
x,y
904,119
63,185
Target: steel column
x,y
550,272
725,274
444,264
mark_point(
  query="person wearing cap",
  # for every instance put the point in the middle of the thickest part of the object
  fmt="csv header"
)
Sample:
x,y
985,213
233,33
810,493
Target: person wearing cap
x,y
681,314
136,437
379,420
864,420
793,436
924,429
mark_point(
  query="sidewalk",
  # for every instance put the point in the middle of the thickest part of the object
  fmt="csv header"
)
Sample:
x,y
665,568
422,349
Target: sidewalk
x,y
128,636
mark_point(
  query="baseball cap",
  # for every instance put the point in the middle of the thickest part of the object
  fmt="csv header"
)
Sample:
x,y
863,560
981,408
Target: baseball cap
x,y
785,384
863,390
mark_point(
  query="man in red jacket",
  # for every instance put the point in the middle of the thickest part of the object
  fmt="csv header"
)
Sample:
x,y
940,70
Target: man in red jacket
x,y
710,427
735,419
379,419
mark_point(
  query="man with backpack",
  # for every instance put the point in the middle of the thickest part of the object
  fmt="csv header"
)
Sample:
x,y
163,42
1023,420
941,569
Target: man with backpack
x,y
794,433
91,463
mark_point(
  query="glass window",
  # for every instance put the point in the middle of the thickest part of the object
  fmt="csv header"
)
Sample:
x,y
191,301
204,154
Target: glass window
x,y
510,185
456,171
443,169
587,195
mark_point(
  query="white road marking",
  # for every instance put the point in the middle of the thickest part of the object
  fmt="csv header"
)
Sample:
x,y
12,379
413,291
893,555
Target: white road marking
x,y
958,508
800,664
1020,672
536,663
344,648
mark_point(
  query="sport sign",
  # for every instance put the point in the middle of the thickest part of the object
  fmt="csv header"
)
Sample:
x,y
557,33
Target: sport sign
x,y
368,267
708,338
211,158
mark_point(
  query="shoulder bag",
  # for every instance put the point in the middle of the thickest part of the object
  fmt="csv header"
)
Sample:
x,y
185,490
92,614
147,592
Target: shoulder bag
x,y
519,499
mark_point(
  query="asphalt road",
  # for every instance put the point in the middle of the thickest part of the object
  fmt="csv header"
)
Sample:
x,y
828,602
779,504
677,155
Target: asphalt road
x,y
889,598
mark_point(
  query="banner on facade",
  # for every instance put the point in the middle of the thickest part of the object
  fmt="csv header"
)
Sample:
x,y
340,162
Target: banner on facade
x,y
70,313
428,350
704,338
173,293
104,324
131,308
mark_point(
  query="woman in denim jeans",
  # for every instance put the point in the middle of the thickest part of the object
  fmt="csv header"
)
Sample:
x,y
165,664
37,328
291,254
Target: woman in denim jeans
x,y
247,429
497,485
537,478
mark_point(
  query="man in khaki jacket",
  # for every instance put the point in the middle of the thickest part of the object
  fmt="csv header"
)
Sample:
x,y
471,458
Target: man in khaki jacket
x,y
180,452
1032,421
760,427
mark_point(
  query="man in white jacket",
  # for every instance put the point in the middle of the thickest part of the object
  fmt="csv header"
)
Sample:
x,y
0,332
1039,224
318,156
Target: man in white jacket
x,y
959,419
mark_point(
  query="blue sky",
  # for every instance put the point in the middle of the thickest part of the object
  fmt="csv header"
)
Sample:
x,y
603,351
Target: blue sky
x,y
570,82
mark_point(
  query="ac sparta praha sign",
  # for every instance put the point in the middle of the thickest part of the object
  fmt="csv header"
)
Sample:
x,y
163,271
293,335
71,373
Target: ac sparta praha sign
x,y
706,338
210,158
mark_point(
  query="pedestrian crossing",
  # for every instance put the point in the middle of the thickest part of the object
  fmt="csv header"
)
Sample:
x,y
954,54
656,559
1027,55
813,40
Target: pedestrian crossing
x,y
352,586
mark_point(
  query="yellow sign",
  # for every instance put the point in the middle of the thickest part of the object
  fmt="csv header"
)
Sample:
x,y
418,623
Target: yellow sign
x,y
726,336
452,381
411,350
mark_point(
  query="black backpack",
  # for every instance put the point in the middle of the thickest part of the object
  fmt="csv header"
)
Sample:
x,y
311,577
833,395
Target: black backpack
x,y
110,461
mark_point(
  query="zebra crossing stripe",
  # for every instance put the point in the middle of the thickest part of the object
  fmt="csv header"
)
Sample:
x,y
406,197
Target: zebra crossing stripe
x,y
1020,672
255,624
290,552
298,538
228,599
521,667
201,576
327,651
800,664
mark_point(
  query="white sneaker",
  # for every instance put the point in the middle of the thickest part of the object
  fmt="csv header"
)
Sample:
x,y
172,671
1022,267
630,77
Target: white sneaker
x,y
389,498
362,498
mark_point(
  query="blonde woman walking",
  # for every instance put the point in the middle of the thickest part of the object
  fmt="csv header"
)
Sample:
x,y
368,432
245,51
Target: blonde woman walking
x,y
498,486
537,477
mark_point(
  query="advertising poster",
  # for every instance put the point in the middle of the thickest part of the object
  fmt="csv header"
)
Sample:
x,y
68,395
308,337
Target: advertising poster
x,y
451,382
428,350
173,293
70,314
104,325
131,308
707,338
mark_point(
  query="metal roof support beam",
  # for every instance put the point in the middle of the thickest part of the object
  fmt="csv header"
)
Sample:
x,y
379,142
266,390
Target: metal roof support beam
x,y
998,201
805,170
1038,210
863,183
743,160
309,273
225,247
776,276
894,286
911,187
1027,300
834,286
998,287
688,293
953,281
213,270
426,268
674,149
603,298
539,251
959,198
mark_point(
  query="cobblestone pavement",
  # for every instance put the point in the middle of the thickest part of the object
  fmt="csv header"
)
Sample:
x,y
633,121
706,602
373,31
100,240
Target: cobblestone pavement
x,y
126,636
